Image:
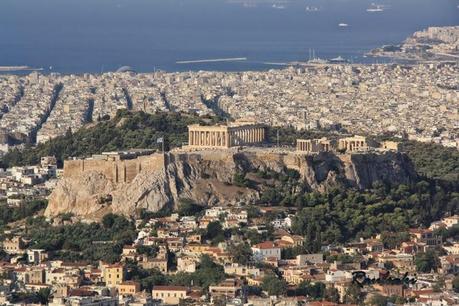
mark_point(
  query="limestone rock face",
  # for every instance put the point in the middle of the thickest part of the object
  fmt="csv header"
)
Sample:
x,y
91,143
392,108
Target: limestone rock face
x,y
149,190
206,178
83,196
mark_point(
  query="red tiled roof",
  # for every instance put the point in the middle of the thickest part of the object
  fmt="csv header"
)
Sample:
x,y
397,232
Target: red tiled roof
x,y
423,292
266,245
170,288
117,265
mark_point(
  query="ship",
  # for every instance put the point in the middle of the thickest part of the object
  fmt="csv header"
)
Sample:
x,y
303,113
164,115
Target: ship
x,y
312,9
375,8
343,25
279,7
338,60
315,60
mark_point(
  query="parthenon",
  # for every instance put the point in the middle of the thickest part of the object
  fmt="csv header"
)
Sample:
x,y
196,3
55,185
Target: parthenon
x,y
224,136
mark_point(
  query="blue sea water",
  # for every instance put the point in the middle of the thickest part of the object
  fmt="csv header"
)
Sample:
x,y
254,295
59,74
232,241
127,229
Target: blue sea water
x,y
76,36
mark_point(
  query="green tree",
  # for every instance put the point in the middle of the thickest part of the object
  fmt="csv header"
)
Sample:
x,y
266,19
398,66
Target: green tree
x,y
242,253
187,207
332,295
353,295
148,250
154,278
240,180
213,230
426,262
378,300
207,273
273,285
389,265
314,290
43,295
456,284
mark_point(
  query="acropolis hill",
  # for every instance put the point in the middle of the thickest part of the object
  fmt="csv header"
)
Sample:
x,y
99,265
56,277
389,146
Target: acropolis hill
x,y
127,182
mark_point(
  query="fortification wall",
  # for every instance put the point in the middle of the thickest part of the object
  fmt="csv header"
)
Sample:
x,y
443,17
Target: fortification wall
x,y
117,171
216,155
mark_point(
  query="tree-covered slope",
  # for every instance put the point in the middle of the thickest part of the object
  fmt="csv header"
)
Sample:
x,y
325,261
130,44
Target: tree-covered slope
x,y
126,130
433,160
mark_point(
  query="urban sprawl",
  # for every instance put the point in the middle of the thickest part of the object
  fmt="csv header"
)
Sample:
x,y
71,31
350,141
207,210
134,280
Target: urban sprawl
x,y
420,102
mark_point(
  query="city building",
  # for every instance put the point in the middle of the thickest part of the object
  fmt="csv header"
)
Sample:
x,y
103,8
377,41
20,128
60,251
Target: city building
x,y
267,249
14,245
113,274
170,295
128,288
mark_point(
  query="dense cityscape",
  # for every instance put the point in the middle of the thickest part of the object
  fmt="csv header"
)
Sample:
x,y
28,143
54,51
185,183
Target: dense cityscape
x,y
416,101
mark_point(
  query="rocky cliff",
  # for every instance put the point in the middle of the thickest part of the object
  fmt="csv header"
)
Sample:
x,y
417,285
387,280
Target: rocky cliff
x,y
207,176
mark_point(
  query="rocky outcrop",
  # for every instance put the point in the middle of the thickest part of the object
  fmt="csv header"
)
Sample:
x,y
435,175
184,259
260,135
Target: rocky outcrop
x,y
207,178
83,196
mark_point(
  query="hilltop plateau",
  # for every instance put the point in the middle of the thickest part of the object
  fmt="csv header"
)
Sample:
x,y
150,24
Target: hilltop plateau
x,y
211,178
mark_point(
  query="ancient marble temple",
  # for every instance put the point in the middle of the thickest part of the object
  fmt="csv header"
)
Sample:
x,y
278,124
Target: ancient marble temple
x,y
225,136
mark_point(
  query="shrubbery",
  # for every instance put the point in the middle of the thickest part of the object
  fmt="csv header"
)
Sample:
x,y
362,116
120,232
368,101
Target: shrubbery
x,y
81,241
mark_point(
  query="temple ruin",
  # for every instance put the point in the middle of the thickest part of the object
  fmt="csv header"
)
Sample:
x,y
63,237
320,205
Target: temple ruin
x,y
237,133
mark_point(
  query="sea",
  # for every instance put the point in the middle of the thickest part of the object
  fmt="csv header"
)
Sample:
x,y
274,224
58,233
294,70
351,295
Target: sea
x,y
94,36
